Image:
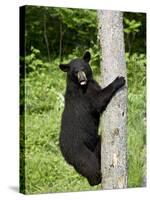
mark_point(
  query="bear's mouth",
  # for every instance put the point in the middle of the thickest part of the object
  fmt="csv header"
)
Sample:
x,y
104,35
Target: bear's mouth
x,y
83,82
82,78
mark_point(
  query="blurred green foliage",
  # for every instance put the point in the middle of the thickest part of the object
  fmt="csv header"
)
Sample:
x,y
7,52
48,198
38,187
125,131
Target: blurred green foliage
x,y
70,29
136,73
44,169
135,32
65,29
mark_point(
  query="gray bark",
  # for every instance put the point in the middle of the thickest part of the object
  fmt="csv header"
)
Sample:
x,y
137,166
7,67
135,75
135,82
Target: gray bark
x,y
114,130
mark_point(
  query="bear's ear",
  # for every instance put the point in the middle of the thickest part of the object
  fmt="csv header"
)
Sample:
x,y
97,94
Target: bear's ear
x,y
64,67
87,56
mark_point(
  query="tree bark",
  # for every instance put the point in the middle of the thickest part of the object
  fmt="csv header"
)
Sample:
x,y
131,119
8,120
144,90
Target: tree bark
x,y
114,130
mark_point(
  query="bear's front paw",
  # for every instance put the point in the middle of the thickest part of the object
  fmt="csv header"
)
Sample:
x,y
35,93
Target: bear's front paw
x,y
119,82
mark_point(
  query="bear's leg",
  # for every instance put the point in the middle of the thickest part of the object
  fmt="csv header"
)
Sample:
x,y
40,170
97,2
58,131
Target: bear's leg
x,y
87,164
108,92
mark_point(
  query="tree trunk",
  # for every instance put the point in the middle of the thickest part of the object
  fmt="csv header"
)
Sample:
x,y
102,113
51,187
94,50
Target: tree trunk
x,y
114,130
45,37
60,42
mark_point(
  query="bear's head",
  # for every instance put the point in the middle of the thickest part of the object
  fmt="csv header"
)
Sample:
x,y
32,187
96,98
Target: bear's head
x,y
78,70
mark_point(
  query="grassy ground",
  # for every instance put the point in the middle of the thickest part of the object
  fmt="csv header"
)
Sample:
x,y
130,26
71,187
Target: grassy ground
x,y
45,169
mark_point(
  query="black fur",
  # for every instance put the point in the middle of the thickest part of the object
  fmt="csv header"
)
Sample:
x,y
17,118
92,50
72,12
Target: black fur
x,y
84,103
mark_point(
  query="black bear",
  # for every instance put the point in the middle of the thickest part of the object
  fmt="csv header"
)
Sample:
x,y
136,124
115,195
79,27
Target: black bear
x,y
85,100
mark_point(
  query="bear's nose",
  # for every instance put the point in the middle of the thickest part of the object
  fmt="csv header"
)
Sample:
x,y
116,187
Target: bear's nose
x,y
82,78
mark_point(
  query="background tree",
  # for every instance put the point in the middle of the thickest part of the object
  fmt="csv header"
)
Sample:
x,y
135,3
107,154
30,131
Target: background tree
x,y
114,121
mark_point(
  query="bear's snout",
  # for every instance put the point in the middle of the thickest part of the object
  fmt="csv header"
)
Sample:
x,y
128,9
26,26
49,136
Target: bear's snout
x,y
82,78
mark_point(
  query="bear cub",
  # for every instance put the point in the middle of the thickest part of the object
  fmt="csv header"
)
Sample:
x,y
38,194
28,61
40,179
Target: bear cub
x,y
85,100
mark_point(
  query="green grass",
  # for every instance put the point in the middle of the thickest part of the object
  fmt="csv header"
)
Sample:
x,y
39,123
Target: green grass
x,y
136,140
45,168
